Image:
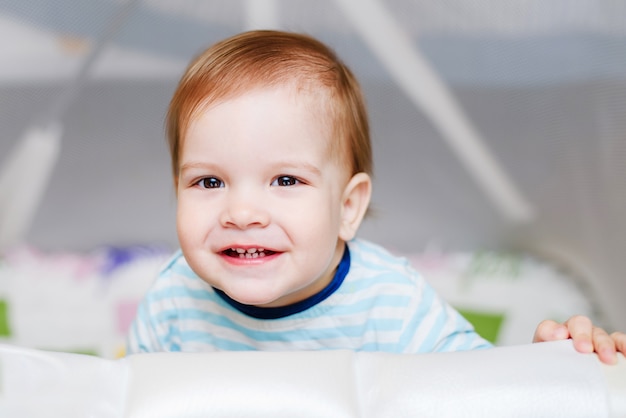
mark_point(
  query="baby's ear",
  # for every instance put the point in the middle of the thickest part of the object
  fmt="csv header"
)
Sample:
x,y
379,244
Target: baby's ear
x,y
355,200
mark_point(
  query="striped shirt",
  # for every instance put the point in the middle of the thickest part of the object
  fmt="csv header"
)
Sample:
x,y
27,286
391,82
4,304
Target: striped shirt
x,y
378,303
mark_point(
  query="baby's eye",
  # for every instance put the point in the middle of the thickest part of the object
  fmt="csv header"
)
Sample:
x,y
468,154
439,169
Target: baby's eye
x,y
285,181
210,183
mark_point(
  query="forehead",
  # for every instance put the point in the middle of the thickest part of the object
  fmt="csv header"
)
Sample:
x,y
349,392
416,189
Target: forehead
x,y
313,98
281,120
296,106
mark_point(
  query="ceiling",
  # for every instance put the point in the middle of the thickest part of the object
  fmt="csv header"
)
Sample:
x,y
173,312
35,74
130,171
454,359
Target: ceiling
x,y
496,125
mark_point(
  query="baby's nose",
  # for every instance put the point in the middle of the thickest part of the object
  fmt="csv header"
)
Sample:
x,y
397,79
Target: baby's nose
x,y
245,211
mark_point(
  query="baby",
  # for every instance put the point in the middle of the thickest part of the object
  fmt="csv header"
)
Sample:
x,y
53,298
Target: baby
x,y
272,165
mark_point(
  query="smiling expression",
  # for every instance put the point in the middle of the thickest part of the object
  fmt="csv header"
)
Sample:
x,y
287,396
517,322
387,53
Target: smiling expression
x,y
262,203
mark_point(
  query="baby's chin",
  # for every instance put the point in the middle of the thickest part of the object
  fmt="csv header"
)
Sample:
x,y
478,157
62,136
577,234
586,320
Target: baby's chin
x,y
258,298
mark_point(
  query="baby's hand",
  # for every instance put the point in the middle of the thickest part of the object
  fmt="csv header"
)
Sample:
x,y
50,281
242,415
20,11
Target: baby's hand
x,y
587,337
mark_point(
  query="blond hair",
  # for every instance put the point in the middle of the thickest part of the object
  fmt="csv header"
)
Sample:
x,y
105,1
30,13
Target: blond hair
x,y
271,58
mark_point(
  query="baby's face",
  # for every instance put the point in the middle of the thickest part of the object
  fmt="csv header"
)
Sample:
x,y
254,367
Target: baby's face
x,y
260,200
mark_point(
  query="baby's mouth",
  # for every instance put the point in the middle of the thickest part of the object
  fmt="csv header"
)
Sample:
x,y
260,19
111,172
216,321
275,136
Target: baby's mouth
x,y
247,252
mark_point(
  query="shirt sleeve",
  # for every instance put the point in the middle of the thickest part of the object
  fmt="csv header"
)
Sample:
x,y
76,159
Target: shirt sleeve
x,y
433,325
142,336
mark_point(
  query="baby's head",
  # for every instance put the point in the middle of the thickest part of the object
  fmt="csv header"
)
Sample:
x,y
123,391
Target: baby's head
x,y
261,59
271,160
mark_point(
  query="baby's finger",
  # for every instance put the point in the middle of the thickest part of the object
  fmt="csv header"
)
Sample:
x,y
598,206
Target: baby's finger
x,y
604,345
550,331
619,338
581,330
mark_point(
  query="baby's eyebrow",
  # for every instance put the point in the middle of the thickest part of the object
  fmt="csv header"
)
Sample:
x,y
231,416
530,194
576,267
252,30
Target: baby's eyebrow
x,y
195,164
298,165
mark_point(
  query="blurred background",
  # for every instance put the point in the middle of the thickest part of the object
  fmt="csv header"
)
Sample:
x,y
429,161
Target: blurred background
x,y
498,127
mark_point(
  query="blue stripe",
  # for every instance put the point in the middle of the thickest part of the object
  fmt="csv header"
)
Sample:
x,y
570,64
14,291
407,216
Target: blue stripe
x,y
372,324
180,292
218,343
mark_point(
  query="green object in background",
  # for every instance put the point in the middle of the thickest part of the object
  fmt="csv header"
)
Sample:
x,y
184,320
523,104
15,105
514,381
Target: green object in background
x,y
85,351
73,350
5,329
487,324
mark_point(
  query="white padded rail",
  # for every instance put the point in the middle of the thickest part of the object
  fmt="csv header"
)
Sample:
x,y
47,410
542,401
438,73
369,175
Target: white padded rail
x,y
37,384
538,380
